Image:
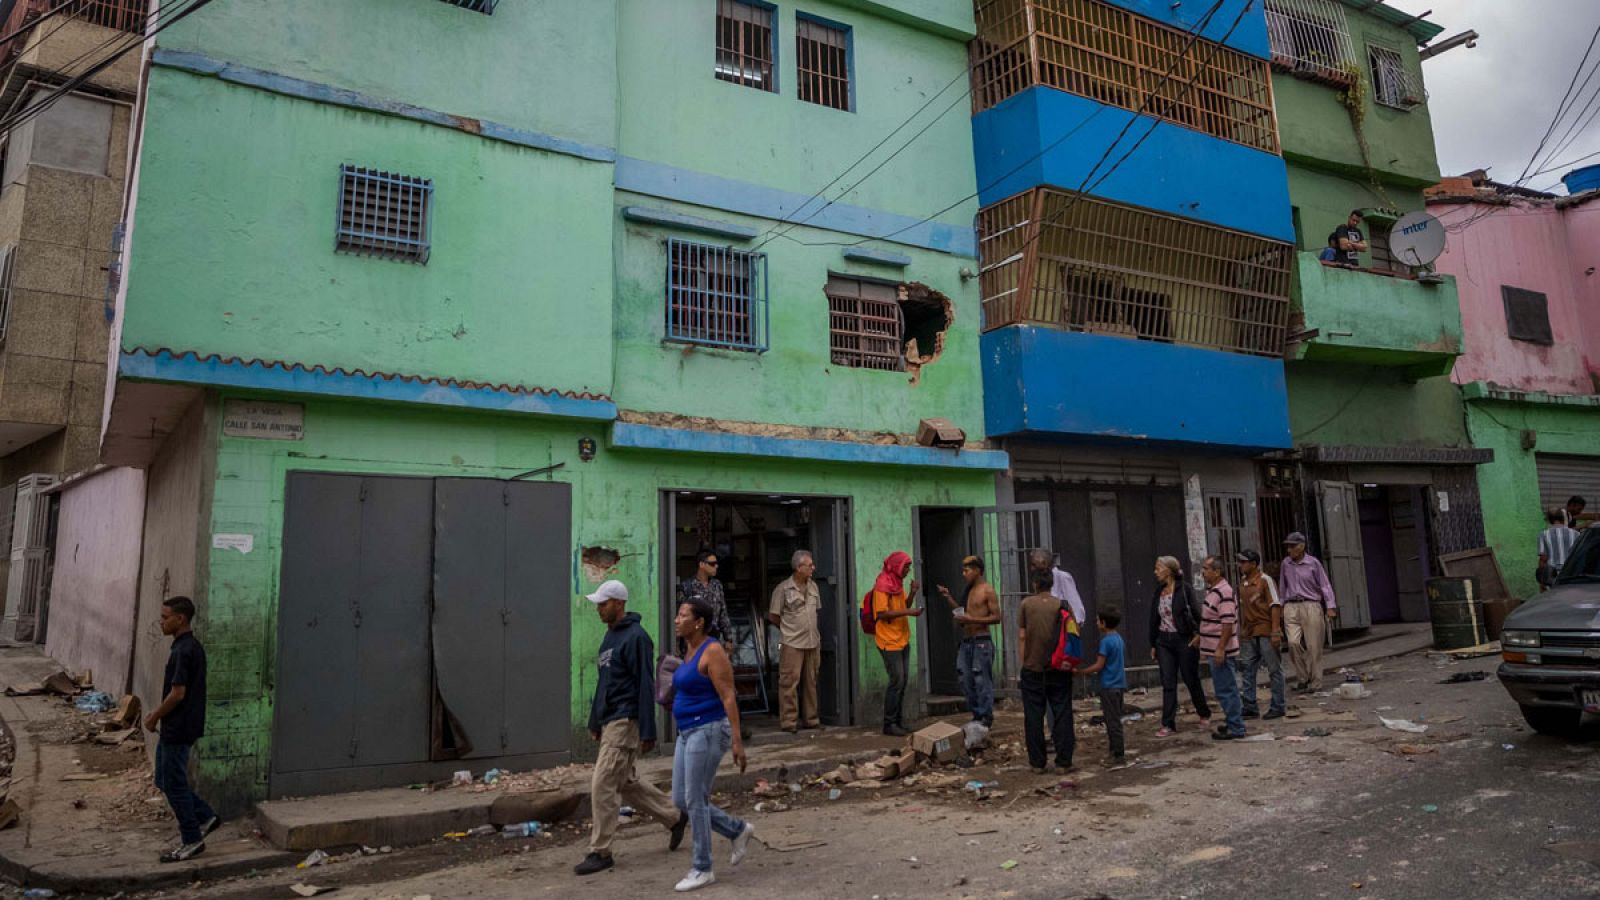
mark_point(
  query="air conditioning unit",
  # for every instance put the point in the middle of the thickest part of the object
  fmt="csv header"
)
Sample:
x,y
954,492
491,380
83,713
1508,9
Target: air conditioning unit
x,y
27,581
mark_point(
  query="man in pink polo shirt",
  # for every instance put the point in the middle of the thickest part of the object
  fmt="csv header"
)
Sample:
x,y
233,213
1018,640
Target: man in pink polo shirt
x,y
1308,607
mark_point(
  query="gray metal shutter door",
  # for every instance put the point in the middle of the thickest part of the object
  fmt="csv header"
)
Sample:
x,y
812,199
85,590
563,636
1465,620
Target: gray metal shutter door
x,y
1341,551
538,636
1561,477
352,665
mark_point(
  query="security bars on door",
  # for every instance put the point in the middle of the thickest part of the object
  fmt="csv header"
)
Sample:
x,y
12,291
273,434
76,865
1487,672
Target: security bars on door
x,y
1094,266
866,329
744,44
1105,53
716,296
1310,39
1392,84
384,215
822,60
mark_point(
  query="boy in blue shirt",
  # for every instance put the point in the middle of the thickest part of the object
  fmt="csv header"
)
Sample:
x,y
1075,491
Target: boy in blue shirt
x,y
1113,680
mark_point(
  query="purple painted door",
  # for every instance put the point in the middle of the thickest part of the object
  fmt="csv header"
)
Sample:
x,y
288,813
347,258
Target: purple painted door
x,y
1377,544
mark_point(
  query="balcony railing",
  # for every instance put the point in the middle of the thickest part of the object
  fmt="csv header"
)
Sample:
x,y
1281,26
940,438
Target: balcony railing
x,y
1072,261
1311,39
123,15
1105,53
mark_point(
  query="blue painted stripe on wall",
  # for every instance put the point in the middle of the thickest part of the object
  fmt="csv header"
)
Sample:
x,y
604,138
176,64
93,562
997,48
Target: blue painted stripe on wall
x,y
199,64
1047,381
1176,170
1249,37
715,192
877,257
655,437
214,371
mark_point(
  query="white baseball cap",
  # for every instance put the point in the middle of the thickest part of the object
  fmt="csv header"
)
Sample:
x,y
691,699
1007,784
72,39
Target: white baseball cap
x,y
611,590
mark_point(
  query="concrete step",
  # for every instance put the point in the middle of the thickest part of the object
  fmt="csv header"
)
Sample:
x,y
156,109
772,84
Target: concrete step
x,y
946,705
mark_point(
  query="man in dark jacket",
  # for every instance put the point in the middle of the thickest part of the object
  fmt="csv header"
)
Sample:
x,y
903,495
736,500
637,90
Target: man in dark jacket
x,y
623,720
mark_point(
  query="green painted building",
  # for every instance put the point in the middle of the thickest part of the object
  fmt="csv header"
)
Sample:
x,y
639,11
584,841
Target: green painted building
x,y
422,336
1382,474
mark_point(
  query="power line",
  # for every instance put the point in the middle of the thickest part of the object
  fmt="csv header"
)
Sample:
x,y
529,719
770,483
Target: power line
x,y
24,29
1561,107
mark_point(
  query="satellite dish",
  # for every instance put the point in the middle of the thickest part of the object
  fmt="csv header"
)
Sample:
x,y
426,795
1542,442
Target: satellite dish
x,y
1416,239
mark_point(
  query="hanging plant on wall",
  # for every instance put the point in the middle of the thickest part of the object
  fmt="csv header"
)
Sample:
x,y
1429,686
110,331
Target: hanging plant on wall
x,y
1354,99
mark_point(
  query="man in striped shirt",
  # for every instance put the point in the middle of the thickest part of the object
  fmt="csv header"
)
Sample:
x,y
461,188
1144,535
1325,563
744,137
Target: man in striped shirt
x,y
1555,543
1219,644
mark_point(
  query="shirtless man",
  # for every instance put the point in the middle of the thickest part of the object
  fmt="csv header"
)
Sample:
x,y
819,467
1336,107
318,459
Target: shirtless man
x,y
975,659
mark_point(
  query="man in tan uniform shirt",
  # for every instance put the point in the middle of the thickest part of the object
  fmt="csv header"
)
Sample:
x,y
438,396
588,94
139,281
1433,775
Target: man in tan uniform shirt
x,y
795,604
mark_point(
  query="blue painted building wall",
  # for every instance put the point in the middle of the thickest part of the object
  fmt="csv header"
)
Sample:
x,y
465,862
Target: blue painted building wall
x,y
1250,36
1176,170
1047,381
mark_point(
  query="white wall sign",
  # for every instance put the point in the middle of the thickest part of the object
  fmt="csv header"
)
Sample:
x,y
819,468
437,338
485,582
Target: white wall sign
x,y
264,419
1444,501
243,543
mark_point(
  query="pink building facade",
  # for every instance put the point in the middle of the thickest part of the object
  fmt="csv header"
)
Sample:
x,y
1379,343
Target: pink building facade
x,y
1527,267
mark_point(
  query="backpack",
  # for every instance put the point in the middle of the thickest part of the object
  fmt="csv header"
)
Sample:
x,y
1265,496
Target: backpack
x,y
1069,644
869,619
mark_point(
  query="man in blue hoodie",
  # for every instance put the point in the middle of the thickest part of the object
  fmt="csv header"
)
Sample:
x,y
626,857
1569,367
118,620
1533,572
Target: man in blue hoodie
x,y
623,720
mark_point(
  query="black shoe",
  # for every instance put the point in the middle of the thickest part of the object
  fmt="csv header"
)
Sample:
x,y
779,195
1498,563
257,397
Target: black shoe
x,y
1252,714
1225,735
211,825
187,851
895,731
593,863
814,726
678,829
1273,714
792,730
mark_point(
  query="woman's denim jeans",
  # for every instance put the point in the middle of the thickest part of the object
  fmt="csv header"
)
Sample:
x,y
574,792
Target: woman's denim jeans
x,y
694,768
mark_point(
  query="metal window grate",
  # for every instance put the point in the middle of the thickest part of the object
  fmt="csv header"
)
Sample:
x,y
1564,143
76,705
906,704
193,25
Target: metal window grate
x,y
1225,522
1311,39
1527,315
1090,265
8,265
123,15
484,6
384,215
716,296
1105,53
744,44
1392,84
866,328
822,60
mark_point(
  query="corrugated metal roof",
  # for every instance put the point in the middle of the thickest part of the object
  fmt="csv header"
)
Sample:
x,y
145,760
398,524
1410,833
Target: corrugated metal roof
x,y
1421,29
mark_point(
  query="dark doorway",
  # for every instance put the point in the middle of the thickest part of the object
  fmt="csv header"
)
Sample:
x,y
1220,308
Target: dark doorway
x,y
755,537
944,537
1377,547
1396,541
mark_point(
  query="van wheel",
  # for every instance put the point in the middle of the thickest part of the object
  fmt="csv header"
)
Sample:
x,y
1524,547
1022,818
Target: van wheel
x,y
1552,720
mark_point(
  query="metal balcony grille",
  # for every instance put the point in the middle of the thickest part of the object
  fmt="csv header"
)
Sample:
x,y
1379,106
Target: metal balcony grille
x,y
716,296
384,215
8,265
1102,267
822,61
1310,39
744,44
484,6
866,328
1392,84
1105,53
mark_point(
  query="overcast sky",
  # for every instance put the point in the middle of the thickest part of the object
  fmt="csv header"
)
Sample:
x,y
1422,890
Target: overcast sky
x,y
1491,103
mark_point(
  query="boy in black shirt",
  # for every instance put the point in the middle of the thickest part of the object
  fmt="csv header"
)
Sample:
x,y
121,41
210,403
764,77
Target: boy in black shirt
x,y
181,717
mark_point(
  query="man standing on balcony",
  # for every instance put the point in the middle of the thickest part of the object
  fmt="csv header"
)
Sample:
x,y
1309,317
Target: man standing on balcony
x,y
1307,599
1347,241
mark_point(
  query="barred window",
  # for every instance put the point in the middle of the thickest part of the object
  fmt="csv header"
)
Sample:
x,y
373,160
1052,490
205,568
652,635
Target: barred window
x,y
484,6
822,58
716,296
866,328
1311,39
384,215
745,44
1392,85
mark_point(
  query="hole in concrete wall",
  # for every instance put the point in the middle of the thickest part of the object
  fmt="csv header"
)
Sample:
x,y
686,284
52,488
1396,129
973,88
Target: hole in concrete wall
x,y
928,315
599,563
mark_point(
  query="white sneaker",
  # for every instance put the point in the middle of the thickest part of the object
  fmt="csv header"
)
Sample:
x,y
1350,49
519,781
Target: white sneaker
x,y
695,880
741,844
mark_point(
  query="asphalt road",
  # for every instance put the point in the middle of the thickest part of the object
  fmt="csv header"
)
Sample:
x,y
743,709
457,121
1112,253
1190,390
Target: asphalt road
x,y
1349,814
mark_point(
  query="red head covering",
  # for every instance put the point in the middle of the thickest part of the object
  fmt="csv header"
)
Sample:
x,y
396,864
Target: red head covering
x,y
895,568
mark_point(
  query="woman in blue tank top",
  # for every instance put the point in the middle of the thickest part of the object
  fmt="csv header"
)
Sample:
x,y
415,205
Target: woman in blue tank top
x,y
707,712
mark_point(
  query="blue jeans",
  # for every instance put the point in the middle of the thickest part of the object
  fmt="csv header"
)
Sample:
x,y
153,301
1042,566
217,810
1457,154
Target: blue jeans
x,y
1252,653
694,768
172,777
1227,688
975,665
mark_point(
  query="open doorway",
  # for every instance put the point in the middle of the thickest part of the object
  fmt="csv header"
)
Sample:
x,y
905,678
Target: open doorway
x,y
755,537
1395,543
944,537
